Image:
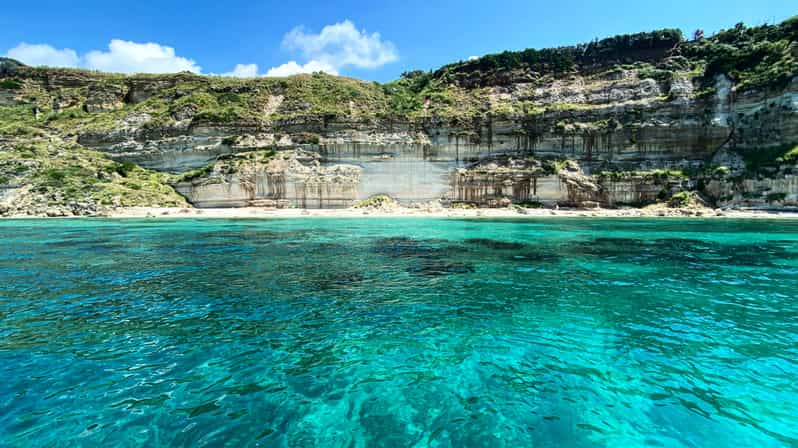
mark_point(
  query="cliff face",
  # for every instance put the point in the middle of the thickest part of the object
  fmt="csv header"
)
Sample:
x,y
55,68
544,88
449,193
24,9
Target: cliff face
x,y
269,179
629,120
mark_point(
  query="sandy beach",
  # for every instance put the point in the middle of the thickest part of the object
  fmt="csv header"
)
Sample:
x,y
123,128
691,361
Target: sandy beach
x,y
399,212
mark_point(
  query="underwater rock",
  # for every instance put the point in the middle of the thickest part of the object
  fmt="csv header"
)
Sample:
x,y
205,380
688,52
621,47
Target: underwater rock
x,y
438,268
495,244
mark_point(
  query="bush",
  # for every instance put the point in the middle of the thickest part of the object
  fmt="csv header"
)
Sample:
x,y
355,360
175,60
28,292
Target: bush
x,y
54,176
463,205
763,158
681,199
656,74
641,46
755,57
776,197
790,156
10,84
21,130
198,173
376,201
123,169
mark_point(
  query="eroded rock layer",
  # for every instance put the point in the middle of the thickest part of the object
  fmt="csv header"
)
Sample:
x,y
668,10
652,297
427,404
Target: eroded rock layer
x,y
268,179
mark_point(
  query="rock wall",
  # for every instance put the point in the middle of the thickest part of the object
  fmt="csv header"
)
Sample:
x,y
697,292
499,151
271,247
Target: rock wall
x,y
611,120
618,121
505,180
780,191
287,178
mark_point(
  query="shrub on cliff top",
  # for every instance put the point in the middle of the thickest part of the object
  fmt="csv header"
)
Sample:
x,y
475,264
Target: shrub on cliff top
x,y
755,57
641,46
404,93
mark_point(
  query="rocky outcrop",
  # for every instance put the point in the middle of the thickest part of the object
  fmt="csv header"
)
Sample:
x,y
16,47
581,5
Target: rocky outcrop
x,y
507,180
736,185
268,179
501,181
105,98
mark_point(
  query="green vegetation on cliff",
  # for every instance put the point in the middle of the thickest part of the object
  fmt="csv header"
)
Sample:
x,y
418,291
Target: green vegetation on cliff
x,y
376,201
754,57
68,177
650,46
224,100
768,159
656,175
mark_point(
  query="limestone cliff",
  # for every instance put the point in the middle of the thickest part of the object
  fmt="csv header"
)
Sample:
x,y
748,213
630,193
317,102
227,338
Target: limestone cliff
x,y
628,120
269,179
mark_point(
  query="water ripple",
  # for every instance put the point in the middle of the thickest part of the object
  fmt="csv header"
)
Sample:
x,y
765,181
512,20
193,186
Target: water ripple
x,y
399,333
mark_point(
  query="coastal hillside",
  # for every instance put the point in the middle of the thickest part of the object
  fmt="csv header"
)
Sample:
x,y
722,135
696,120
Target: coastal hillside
x,y
624,121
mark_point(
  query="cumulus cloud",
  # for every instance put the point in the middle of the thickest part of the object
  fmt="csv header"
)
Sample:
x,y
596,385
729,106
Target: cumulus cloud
x,y
473,58
342,44
122,57
130,57
243,71
293,68
335,47
45,55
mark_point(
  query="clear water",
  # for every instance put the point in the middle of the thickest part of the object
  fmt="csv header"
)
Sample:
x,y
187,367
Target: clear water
x,y
399,332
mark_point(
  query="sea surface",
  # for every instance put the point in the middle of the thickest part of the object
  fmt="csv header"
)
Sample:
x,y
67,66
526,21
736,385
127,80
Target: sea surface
x,y
399,332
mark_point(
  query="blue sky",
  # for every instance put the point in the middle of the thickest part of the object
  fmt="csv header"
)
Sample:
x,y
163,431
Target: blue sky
x,y
214,36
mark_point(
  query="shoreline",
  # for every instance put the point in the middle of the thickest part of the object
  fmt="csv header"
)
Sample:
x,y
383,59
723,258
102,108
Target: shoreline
x,y
402,212
407,212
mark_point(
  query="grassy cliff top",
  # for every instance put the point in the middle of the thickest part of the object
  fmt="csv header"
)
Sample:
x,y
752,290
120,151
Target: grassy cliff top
x,y
757,57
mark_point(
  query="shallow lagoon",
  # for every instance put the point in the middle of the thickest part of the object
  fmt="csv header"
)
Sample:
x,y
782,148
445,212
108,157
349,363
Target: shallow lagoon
x,y
399,332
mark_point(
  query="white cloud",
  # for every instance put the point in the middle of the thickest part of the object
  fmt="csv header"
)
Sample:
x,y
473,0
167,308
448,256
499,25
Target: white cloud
x,y
287,69
335,47
42,54
473,58
243,71
293,68
122,57
131,57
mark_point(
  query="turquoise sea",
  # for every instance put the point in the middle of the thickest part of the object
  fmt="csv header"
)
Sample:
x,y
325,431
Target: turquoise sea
x,y
399,332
